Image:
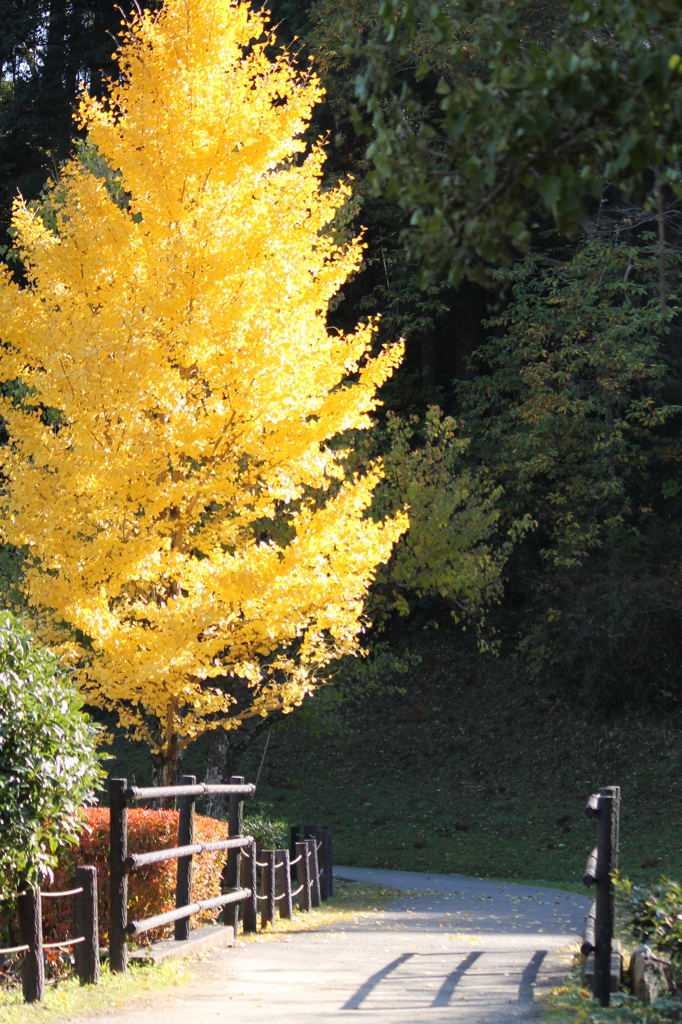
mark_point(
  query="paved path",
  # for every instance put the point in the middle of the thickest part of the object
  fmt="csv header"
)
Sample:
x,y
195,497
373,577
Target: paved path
x,y
450,949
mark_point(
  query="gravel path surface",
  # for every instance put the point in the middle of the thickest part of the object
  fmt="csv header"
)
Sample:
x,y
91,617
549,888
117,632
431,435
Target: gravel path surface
x,y
453,949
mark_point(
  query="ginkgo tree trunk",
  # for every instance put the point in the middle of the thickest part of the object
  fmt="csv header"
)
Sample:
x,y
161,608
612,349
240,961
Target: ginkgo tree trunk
x,y
184,506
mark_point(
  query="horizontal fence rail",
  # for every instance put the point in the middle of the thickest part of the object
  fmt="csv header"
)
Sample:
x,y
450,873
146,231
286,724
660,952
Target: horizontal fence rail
x,y
138,927
195,789
139,860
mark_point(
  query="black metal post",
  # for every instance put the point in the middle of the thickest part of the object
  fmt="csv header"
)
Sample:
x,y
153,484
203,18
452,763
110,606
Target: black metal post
x,y
118,878
183,883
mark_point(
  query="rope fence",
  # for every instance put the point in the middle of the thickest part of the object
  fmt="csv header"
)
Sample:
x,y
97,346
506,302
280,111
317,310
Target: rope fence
x,y
86,940
55,895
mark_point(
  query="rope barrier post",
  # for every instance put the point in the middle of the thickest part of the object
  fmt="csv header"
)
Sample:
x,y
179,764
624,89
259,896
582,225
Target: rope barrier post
x,y
315,899
295,838
286,907
233,864
183,878
118,877
267,913
31,925
86,955
250,881
329,862
304,875
321,833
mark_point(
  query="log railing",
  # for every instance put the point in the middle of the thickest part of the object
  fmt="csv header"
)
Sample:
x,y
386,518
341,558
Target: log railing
x,y
121,863
246,870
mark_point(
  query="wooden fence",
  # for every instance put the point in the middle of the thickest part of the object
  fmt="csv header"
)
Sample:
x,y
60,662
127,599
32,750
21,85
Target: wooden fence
x,y
309,865
240,876
601,863
121,864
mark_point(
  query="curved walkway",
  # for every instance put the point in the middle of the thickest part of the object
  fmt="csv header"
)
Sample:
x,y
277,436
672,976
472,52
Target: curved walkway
x,y
450,949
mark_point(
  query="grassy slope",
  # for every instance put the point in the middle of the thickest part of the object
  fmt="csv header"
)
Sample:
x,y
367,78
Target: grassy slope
x,y
472,771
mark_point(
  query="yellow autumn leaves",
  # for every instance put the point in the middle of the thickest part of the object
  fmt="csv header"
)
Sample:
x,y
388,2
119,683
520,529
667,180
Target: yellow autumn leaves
x,y
187,517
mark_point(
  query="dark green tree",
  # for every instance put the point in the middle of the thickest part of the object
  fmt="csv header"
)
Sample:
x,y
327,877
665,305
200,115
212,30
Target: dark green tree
x,y
575,412
531,125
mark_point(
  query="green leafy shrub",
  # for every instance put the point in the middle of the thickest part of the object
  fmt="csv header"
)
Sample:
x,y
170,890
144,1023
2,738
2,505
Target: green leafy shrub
x,y
49,765
270,833
151,889
653,914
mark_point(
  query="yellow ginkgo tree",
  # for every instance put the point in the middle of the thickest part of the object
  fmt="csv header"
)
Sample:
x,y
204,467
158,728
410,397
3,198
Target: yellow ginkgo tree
x,y
184,505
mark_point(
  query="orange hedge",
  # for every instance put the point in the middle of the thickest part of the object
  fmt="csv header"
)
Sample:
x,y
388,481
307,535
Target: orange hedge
x,y
151,889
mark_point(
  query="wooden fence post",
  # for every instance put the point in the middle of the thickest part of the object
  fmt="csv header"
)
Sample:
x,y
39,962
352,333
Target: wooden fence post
x,y
315,899
329,862
86,954
286,907
250,881
31,927
118,877
233,866
295,838
608,808
601,864
183,883
321,836
267,912
304,874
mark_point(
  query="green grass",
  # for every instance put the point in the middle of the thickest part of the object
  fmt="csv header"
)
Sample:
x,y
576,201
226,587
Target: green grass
x,y
68,998
477,774
471,771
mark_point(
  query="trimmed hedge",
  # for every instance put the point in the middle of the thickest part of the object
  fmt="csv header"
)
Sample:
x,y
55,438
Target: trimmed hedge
x,y
151,890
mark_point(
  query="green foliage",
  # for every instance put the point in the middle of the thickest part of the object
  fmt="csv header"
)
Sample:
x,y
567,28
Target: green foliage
x,y
485,127
449,549
571,410
48,763
270,832
571,1003
653,914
